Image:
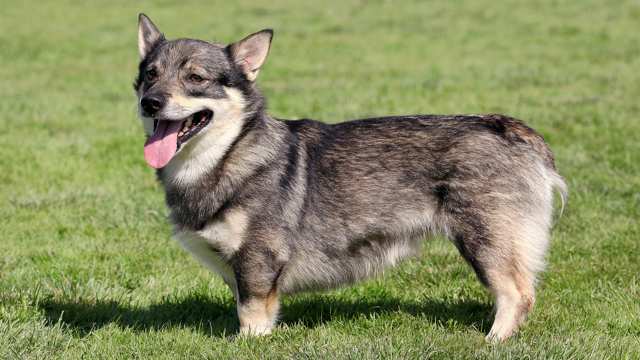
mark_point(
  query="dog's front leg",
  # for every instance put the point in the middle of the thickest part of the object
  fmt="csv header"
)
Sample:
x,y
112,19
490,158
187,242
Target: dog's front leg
x,y
257,293
258,314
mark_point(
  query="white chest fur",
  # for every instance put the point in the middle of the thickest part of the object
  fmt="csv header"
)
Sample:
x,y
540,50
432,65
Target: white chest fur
x,y
199,247
216,242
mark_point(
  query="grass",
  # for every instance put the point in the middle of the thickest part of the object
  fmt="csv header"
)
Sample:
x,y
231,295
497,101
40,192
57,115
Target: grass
x,y
87,268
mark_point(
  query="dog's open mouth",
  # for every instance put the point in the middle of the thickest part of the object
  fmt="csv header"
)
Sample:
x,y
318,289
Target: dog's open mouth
x,y
192,125
169,135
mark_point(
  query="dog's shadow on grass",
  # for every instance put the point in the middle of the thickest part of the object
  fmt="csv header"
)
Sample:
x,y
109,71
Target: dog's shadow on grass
x,y
210,316
218,318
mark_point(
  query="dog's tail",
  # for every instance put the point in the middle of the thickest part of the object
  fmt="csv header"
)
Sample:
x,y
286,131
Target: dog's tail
x,y
526,134
558,184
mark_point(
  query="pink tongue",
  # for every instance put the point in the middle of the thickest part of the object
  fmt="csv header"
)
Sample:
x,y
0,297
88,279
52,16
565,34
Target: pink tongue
x,y
162,145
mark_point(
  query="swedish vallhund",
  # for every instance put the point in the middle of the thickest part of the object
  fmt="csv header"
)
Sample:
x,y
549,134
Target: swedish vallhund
x,y
281,206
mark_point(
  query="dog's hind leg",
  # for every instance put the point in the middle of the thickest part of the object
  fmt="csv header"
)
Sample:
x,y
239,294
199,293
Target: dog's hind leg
x,y
514,292
506,253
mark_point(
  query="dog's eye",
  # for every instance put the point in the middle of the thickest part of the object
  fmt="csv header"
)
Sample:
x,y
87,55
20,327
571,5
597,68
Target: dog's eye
x,y
195,78
151,74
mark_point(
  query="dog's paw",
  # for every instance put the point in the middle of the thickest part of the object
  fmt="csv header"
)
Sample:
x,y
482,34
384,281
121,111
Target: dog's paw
x,y
499,335
255,330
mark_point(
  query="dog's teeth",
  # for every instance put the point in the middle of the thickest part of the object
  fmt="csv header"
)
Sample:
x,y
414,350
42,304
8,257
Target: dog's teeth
x,y
188,123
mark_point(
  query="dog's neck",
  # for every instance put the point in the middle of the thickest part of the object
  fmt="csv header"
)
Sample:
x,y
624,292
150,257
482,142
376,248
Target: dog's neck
x,y
202,181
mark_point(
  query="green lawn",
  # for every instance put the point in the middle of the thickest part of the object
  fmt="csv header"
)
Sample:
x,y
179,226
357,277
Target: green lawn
x,y
87,266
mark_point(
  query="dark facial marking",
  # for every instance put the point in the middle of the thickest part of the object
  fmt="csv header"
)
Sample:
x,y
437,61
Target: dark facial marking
x,y
190,66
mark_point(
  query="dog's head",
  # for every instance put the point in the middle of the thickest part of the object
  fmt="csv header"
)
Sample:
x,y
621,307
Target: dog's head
x,y
188,87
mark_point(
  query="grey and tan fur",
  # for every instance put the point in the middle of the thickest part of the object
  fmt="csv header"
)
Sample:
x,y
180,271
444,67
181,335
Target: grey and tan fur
x,y
281,206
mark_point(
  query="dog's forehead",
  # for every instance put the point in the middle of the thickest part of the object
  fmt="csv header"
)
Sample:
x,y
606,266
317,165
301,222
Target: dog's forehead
x,y
188,52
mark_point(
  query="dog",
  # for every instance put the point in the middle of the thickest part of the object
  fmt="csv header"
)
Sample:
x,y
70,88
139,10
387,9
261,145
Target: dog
x,y
281,206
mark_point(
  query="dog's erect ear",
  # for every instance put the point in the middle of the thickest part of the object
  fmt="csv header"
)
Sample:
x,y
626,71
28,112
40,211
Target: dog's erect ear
x,y
148,35
251,52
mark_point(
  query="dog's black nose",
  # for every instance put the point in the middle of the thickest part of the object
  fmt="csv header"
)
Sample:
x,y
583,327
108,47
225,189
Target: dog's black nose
x,y
151,104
